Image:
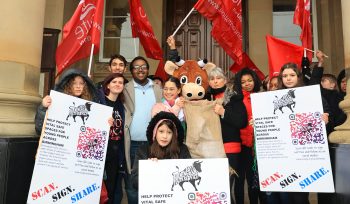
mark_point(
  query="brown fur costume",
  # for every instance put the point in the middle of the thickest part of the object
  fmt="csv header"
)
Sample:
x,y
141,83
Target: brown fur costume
x,y
203,137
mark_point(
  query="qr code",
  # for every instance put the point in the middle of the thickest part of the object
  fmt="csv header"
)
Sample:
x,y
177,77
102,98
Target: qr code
x,y
91,143
207,197
306,128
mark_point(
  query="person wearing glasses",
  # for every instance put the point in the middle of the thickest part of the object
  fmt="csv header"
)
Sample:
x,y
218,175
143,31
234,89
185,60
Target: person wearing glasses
x,y
140,96
72,82
111,95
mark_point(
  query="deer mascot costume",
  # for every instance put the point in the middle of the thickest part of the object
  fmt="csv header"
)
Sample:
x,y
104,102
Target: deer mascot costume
x,y
203,137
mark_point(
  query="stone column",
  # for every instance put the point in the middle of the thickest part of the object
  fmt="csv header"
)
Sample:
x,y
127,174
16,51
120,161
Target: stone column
x,y
342,133
260,24
21,26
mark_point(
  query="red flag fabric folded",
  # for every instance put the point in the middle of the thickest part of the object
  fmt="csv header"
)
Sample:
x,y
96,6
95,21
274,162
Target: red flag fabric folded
x,y
281,52
302,18
247,62
226,17
142,29
79,33
160,72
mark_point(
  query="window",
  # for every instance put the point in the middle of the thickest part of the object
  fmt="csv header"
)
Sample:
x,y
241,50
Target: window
x,y
283,27
116,37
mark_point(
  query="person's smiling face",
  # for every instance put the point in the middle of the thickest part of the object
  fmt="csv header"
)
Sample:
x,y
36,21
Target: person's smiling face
x,y
116,86
117,66
139,71
247,82
170,91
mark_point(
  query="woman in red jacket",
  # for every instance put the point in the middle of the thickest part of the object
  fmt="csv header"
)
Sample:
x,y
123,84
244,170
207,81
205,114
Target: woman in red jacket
x,y
247,82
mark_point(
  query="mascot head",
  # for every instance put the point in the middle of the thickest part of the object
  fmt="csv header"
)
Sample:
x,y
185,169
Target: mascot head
x,y
193,76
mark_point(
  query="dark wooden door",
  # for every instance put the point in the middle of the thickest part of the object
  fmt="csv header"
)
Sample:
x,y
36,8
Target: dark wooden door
x,y
194,40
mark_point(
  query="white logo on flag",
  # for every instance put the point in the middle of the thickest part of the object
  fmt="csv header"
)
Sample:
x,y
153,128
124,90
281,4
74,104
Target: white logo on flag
x,y
86,9
142,14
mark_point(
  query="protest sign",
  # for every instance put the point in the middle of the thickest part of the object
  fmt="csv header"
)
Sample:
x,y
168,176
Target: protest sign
x,y
71,154
175,181
291,141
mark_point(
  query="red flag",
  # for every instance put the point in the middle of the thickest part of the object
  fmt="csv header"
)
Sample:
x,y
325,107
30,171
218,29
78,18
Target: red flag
x,y
79,33
247,62
160,72
142,29
281,52
302,18
226,17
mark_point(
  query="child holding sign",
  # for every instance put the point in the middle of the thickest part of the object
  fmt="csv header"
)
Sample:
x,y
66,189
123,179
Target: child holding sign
x,y
165,137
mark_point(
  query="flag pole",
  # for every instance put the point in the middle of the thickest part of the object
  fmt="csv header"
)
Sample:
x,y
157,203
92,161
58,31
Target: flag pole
x,y
90,61
314,51
183,21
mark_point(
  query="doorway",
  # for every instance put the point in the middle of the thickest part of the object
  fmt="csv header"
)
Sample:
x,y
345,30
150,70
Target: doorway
x,y
193,40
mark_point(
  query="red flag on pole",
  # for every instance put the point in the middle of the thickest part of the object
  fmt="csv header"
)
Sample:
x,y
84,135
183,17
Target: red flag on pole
x,y
302,18
79,33
247,62
142,29
226,17
281,52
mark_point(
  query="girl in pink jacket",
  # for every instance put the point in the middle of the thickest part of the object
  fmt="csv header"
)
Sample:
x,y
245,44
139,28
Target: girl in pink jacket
x,y
171,102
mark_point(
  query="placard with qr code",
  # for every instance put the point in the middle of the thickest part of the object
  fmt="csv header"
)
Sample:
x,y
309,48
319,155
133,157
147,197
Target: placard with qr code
x,y
185,181
71,153
291,140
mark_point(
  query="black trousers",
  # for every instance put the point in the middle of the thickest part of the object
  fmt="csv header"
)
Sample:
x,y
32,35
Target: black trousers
x,y
113,165
245,171
299,197
233,160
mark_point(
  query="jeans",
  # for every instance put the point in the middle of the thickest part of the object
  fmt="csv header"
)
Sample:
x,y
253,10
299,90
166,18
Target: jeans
x,y
118,194
131,192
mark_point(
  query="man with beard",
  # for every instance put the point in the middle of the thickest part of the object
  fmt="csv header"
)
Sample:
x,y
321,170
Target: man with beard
x,y
140,96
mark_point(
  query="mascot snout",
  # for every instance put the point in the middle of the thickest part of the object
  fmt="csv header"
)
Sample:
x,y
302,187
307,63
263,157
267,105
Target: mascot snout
x,y
192,91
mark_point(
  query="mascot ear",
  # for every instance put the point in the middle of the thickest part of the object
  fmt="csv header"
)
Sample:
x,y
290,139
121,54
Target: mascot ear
x,y
170,67
208,67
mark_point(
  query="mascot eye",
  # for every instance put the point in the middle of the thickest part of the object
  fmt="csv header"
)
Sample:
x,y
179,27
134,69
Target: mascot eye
x,y
199,80
183,80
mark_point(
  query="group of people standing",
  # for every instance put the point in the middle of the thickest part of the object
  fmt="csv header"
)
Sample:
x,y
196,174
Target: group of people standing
x,y
148,121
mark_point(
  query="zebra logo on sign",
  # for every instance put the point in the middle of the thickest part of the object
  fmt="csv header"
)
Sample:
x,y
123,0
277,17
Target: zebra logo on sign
x,y
287,100
80,110
189,174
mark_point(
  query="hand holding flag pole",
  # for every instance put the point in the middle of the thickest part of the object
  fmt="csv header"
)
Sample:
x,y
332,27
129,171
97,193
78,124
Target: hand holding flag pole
x,y
226,18
306,49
